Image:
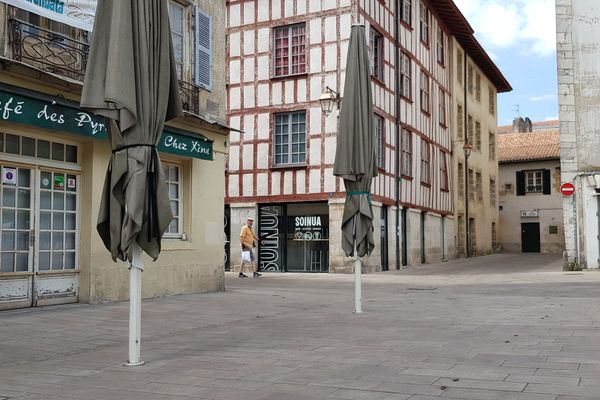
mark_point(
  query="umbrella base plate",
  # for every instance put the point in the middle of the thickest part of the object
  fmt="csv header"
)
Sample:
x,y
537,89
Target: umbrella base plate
x,y
135,364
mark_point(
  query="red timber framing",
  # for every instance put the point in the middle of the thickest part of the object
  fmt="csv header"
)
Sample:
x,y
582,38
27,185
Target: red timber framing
x,y
256,95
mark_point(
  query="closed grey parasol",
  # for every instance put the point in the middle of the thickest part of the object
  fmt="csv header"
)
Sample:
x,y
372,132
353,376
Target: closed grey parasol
x,y
355,153
131,79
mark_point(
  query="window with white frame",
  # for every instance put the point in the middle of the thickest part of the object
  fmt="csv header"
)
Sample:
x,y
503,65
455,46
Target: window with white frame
x,y
290,50
442,108
174,183
377,54
534,181
405,75
290,138
424,92
406,153
441,57
176,19
379,138
406,11
425,162
424,23
443,172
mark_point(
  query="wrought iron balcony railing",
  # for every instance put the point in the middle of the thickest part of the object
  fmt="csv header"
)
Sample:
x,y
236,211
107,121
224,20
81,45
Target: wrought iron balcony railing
x,y
62,55
48,50
190,97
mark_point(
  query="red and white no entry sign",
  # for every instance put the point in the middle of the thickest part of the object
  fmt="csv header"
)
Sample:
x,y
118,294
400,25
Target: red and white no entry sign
x,y
567,189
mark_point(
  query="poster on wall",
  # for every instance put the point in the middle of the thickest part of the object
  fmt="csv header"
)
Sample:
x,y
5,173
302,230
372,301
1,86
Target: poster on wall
x,y
308,228
9,176
77,13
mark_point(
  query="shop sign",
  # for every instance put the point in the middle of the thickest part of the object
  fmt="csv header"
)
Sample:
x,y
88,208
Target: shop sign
x,y
271,243
9,176
308,228
49,115
76,13
530,213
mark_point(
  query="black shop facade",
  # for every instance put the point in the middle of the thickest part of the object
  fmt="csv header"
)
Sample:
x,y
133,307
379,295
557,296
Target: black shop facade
x,y
294,237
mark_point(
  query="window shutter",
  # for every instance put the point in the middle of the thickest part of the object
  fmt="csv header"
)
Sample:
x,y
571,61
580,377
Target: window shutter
x,y
520,183
546,181
203,65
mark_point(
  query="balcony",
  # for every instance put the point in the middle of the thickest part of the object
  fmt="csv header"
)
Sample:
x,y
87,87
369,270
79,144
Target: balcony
x,y
47,50
64,56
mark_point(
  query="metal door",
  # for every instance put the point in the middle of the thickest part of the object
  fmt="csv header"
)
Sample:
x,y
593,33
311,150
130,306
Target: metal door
x,y
16,246
530,237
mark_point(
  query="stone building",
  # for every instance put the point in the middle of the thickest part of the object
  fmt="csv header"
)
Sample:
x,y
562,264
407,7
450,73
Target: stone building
x,y
531,217
578,76
53,158
282,56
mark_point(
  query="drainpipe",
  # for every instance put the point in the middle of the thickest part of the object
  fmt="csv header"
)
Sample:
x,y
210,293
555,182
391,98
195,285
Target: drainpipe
x,y
398,147
466,128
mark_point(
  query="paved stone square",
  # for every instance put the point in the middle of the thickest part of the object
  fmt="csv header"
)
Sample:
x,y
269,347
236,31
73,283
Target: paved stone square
x,y
502,327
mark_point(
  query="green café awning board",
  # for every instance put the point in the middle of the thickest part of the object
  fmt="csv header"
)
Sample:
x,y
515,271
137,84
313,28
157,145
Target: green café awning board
x,y
59,115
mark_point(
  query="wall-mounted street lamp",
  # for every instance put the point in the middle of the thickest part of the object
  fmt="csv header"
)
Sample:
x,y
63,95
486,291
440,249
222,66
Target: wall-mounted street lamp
x,y
467,147
329,99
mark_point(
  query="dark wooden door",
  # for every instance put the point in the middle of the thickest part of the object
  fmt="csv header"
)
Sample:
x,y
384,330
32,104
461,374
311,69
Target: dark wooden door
x,y
530,237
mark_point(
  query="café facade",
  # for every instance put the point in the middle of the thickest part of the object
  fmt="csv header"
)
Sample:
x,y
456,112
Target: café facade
x,y
53,160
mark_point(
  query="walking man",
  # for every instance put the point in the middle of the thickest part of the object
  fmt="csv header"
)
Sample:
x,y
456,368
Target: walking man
x,y
247,238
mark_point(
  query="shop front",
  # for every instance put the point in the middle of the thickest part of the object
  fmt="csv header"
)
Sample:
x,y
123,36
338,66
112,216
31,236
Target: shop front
x,y
294,237
53,158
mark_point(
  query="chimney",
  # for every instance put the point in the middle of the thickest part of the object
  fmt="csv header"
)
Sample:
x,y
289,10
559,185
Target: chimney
x,y
521,125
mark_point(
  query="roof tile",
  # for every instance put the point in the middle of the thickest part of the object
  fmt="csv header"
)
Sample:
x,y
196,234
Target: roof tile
x,y
538,145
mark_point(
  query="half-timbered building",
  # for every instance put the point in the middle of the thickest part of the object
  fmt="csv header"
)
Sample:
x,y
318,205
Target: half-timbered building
x,y
282,55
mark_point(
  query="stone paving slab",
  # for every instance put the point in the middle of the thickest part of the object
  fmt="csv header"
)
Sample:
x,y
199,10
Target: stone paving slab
x,y
503,327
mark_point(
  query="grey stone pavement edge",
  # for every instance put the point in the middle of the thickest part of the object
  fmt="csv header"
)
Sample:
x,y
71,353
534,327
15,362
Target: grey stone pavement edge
x,y
502,327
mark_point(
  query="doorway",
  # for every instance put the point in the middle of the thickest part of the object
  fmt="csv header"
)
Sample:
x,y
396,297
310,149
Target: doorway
x,y
384,239
530,237
404,227
39,246
423,252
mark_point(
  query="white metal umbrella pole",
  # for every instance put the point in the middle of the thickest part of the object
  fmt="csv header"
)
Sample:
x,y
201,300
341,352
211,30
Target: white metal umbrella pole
x,y
136,267
357,282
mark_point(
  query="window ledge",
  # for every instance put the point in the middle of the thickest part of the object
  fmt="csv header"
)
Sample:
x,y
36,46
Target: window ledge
x,y
425,184
377,80
291,76
406,177
407,25
407,99
289,166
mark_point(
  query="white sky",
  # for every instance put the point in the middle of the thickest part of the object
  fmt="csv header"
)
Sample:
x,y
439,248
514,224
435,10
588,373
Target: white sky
x,y
528,25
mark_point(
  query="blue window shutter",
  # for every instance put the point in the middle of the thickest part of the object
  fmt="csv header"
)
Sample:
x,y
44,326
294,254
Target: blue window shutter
x,y
203,67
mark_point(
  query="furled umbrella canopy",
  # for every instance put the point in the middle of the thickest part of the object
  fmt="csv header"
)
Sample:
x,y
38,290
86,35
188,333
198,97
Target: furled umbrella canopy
x,y
355,152
131,79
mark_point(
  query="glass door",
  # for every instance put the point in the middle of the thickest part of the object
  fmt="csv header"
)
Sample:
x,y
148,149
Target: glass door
x,y
16,248
57,250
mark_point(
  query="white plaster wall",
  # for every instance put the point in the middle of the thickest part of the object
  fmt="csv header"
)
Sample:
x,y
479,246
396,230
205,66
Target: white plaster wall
x,y
549,207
